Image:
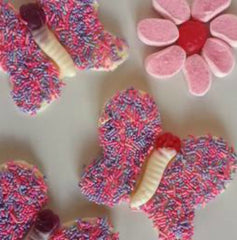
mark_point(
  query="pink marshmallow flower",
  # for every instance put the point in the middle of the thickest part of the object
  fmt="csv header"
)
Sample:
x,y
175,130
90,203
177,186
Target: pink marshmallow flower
x,y
202,42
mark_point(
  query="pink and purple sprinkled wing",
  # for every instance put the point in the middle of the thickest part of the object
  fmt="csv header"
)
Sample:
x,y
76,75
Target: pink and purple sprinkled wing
x,y
86,230
77,26
23,193
128,126
34,79
198,174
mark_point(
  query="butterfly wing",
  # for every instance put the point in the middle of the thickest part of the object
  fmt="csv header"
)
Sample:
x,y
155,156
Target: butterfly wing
x,y
34,79
198,174
23,193
128,127
95,228
77,26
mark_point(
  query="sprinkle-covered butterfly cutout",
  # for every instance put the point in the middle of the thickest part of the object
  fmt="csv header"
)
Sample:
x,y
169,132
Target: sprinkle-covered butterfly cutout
x,y
23,194
163,176
75,27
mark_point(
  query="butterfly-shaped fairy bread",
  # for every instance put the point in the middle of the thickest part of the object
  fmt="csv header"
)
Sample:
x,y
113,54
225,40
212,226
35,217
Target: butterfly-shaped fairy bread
x,y
23,194
46,41
155,172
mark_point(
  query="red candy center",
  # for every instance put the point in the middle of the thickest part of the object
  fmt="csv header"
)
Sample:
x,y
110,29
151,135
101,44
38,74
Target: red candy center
x,y
168,140
192,36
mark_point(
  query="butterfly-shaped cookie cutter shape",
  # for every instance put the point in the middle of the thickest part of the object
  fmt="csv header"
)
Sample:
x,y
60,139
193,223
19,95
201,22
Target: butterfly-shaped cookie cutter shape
x,y
157,173
75,29
23,194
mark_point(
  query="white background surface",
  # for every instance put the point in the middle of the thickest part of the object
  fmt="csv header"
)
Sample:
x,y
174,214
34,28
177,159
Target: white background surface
x,y
64,137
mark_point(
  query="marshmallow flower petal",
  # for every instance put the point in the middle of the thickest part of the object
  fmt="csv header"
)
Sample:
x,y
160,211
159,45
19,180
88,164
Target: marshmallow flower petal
x,y
166,63
225,28
205,10
157,32
198,75
219,57
176,10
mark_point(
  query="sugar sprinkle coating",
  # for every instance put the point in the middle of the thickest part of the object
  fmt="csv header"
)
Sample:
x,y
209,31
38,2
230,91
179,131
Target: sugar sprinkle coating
x,y
129,124
78,28
34,79
199,173
23,193
99,228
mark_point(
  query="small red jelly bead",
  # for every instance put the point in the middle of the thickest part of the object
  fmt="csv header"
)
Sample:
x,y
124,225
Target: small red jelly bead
x,y
192,36
33,14
168,140
47,221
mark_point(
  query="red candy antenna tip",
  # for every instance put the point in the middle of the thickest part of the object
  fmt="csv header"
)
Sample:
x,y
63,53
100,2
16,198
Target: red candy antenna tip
x,y
168,140
47,221
34,15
